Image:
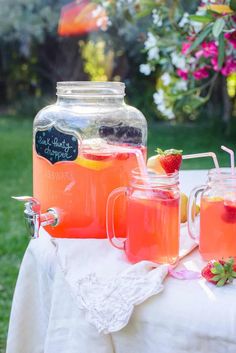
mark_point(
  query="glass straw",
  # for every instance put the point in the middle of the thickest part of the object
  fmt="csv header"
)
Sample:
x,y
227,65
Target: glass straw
x,y
231,153
140,161
138,154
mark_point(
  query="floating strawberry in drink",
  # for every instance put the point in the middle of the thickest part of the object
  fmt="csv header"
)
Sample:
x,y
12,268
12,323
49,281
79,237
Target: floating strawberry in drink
x,y
230,206
170,160
229,214
127,150
122,156
163,194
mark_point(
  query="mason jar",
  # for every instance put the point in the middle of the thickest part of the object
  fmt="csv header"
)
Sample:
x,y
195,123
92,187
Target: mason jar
x,y
84,146
217,231
153,217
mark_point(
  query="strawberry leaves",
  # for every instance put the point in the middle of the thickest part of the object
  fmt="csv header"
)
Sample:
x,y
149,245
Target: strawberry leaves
x,y
167,152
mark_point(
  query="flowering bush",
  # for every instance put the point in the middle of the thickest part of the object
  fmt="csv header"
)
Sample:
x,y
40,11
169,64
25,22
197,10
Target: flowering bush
x,y
191,52
186,52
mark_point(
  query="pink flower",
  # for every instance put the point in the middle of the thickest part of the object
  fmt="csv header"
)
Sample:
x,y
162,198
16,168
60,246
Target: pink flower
x,y
210,49
183,74
185,47
201,73
214,62
199,53
231,38
229,66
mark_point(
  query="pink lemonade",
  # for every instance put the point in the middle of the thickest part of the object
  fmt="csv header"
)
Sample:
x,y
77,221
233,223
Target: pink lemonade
x,y
80,190
217,228
153,227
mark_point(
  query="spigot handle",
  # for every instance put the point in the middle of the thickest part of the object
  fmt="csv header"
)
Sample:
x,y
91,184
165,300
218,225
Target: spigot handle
x,y
32,214
35,204
25,198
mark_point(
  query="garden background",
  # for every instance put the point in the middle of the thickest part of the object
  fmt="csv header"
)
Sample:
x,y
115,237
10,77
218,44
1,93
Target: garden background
x,y
178,63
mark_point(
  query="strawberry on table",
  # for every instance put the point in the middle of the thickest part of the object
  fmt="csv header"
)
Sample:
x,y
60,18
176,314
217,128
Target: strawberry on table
x,y
170,160
220,272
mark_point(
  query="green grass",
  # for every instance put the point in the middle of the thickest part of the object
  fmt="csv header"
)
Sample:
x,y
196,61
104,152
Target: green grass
x,y
16,179
191,138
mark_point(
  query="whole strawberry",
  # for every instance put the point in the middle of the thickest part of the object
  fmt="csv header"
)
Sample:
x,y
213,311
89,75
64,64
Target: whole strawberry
x,y
220,272
170,160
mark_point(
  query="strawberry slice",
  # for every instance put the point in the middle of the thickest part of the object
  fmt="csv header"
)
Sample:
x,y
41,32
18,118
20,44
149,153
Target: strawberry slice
x,y
163,194
170,160
122,156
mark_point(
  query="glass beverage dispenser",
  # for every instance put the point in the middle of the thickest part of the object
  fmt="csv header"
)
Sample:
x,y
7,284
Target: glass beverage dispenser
x,y
84,146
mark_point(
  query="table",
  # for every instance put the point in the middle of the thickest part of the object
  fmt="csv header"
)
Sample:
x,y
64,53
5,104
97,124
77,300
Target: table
x,y
188,316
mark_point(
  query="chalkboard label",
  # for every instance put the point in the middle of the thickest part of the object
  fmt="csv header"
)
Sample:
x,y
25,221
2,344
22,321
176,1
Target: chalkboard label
x,y
56,146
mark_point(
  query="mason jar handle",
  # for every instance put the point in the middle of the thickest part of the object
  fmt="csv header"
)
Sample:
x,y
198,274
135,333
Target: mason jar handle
x,y
192,202
119,244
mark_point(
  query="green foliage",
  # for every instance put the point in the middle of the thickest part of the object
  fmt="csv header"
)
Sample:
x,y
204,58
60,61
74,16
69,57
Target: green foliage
x,y
26,106
218,27
200,38
202,19
144,102
221,56
233,4
24,20
32,56
185,78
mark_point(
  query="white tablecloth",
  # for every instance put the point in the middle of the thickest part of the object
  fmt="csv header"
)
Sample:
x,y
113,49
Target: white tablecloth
x,y
188,316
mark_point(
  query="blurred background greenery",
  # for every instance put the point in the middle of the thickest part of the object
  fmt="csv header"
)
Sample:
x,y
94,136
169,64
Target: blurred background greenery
x,y
33,57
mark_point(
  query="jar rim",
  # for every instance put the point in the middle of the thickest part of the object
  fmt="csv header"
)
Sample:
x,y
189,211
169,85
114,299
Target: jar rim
x,y
154,179
222,173
90,88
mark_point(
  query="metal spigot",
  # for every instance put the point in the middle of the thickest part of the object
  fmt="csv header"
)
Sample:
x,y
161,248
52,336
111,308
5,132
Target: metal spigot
x,y
33,216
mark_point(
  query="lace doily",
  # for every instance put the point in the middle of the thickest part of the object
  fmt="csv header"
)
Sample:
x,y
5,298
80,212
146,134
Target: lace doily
x,y
104,284
109,303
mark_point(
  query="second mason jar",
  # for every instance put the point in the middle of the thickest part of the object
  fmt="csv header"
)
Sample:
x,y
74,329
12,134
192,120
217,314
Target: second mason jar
x,y
85,146
217,232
